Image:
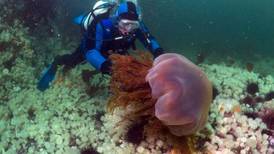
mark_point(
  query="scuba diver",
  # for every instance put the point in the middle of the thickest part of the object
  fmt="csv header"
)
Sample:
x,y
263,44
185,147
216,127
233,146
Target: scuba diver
x,y
104,35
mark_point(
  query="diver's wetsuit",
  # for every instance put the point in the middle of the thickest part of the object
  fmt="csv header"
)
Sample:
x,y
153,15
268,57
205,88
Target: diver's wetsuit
x,y
69,60
98,44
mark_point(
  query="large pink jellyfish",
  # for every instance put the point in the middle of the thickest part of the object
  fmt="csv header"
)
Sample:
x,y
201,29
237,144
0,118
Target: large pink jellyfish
x,y
183,93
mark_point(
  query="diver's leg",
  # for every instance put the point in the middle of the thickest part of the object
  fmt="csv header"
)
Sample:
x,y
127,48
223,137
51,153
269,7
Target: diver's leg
x,y
68,60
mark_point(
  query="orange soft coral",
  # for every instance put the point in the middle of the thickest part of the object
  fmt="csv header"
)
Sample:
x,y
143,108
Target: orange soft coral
x,y
128,84
129,88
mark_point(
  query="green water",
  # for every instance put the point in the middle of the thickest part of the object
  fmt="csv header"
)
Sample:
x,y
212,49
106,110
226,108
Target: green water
x,y
220,25
223,30
220,29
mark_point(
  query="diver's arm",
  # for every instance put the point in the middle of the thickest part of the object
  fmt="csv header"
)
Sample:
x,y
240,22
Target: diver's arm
x,y
94,56
148,40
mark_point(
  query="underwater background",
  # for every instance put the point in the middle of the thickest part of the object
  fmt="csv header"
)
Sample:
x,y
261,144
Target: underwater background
x,y
219,30
231,41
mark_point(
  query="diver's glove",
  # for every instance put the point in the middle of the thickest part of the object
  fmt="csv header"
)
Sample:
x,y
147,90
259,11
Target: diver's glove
x,y
157,52
47,77
96,59
106,67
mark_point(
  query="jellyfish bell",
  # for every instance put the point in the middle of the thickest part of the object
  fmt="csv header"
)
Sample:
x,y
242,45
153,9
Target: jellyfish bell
x,y
183,93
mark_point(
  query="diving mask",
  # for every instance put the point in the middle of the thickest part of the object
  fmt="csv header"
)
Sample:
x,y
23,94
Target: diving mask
x,y
127,26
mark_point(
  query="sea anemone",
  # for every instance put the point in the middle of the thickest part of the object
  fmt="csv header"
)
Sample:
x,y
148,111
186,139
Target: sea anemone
x,y
135,133
200,58
90,150
268,118
252,88
249,100
269,96
252,101
259,99
249,67
252,115
215,92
